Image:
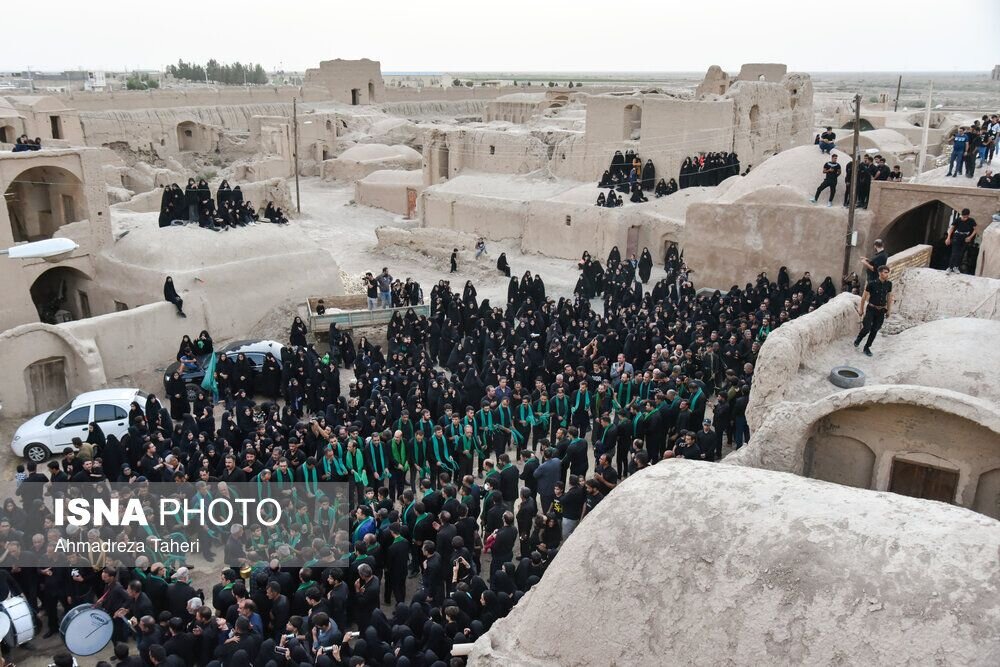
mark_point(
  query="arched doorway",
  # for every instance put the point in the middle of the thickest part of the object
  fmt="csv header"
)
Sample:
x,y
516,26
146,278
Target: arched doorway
x,y
865,125
755,121
41,200
633,122
925,224
193,137
62,294
7,134
371,92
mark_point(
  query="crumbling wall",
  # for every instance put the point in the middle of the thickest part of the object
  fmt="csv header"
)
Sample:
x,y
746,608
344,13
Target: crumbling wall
x,y
349,81
156,129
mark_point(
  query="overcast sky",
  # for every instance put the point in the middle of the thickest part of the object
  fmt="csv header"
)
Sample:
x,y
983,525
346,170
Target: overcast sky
x,y
511,35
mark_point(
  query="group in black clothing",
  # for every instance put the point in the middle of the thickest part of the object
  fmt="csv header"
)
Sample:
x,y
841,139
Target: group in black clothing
x,y
626,175
226,211
708,169
472,433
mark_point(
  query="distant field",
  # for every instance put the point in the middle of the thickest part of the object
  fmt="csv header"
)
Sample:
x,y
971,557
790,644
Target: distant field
x,y
951,89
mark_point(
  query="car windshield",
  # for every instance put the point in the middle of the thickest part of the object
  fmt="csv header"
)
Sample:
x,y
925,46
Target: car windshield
x,y
57,413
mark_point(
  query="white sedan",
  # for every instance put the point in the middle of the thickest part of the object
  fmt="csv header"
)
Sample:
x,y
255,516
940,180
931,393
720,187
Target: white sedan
x,y
53,432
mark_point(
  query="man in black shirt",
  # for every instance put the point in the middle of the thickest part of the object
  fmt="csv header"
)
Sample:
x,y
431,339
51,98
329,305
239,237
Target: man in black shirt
x,y
880,258
961,232
827,140
875,304
831,172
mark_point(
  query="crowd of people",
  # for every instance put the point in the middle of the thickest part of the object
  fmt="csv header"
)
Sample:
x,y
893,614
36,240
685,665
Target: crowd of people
x,y
23,143
872,168
972,144
708,169
470,449
627,175
226,210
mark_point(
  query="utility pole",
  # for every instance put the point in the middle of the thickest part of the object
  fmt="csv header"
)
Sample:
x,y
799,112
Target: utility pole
x,y
855,168
923,141
295,152
899,86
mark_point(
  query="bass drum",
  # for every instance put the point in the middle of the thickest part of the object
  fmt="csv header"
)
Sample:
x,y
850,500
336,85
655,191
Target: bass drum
x,y
86,629
22,621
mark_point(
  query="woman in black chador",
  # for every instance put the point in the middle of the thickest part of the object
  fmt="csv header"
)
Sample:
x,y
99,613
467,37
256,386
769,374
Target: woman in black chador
x,y
648,175
645,265
502,264
171,295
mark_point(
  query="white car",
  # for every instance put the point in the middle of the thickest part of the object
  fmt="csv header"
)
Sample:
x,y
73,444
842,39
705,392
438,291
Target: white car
x,y
53,432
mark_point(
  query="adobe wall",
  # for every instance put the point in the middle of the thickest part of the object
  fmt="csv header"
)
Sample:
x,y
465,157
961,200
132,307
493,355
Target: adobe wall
x,y
281,267
540,225
771,72
99,351
155,130
489,151
339,77
732,243
777,570
169,98
912,433
26,344
92,232
387,190
989,253
889,200
674,129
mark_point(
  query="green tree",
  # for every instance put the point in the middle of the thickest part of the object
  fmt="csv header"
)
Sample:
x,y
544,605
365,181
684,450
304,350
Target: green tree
x,y
456,82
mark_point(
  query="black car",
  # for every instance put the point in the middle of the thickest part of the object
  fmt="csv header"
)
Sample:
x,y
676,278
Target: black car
x,y
255,351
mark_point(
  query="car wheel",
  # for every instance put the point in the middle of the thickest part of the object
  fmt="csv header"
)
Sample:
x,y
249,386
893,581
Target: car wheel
x,y
192,392
36,452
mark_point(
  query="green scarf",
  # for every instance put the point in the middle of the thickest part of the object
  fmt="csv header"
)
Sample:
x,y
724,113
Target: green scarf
x,y
485,419
576,405
503,412
356,464
441,453
399,453
561,409
311,479
620,401
377,455
526,414
541,413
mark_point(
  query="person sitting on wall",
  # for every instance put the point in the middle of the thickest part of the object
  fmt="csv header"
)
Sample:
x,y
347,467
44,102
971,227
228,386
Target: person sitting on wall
x,y
605,180
989,180
661,189
827,141
895,174
620,183
672,186
601,201
170,294
612,200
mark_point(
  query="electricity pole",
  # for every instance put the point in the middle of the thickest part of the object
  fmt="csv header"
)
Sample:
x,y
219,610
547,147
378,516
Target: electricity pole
x,y
855,168
899,86
295,152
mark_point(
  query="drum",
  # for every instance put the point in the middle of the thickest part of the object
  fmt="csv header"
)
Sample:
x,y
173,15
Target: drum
x,y
86,629
22,621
